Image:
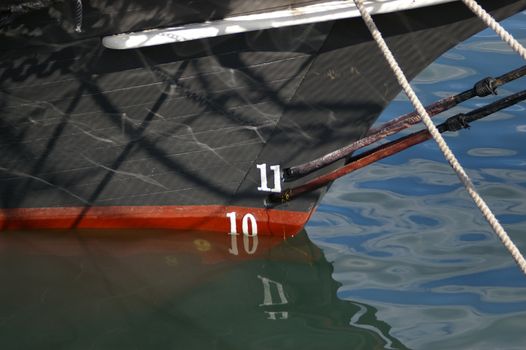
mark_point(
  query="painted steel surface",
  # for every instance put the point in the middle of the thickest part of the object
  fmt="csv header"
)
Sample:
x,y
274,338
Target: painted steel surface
x,y
195,125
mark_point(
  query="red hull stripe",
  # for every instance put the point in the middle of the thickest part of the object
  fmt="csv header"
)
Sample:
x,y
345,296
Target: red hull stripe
x,y
194,218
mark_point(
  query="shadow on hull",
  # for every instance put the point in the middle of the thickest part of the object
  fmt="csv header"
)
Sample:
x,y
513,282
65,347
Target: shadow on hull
x,y
108,135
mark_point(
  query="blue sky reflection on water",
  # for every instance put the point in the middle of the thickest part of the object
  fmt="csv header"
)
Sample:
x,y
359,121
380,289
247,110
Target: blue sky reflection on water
x,y
403,235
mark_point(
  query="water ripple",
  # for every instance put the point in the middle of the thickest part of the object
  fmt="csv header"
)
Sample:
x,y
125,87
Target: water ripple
x,y
404,237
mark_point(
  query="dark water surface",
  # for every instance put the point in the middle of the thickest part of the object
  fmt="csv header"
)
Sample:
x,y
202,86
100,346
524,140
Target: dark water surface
x,y
396,256
404,237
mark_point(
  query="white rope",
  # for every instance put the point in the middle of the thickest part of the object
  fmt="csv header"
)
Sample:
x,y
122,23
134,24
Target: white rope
x,y
490,22
466,181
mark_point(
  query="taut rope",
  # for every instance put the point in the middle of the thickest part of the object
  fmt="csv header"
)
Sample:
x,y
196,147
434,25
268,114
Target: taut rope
x,y
448,154
491,23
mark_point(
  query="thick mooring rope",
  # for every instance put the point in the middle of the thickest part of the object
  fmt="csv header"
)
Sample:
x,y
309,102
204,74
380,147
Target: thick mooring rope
x,y
448,154
491,23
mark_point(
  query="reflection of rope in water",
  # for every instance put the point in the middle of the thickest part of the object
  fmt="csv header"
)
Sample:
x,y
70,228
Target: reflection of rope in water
x,y
354,322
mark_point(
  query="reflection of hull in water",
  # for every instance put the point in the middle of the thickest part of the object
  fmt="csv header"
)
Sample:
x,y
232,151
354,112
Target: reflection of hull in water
x,y
171,136
171,290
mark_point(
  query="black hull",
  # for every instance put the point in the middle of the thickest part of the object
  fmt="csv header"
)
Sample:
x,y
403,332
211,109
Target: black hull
x,y
184,125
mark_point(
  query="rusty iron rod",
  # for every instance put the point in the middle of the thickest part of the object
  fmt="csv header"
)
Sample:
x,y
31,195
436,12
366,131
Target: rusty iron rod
x,y
483,88
454,123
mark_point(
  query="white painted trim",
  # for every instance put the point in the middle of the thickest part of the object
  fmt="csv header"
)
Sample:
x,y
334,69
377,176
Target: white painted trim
x,y
327,11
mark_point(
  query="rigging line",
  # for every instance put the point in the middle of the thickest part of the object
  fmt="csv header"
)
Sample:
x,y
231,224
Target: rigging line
x,y
448,154
454,123
493,24
482,88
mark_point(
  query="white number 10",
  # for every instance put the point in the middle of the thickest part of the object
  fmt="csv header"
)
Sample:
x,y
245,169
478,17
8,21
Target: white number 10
x,y
249,221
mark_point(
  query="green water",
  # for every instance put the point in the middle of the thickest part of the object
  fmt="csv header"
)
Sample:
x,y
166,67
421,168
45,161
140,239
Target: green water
x,y
166,290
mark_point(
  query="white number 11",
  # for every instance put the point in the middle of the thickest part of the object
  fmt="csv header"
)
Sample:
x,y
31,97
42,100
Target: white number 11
x,y
277,178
